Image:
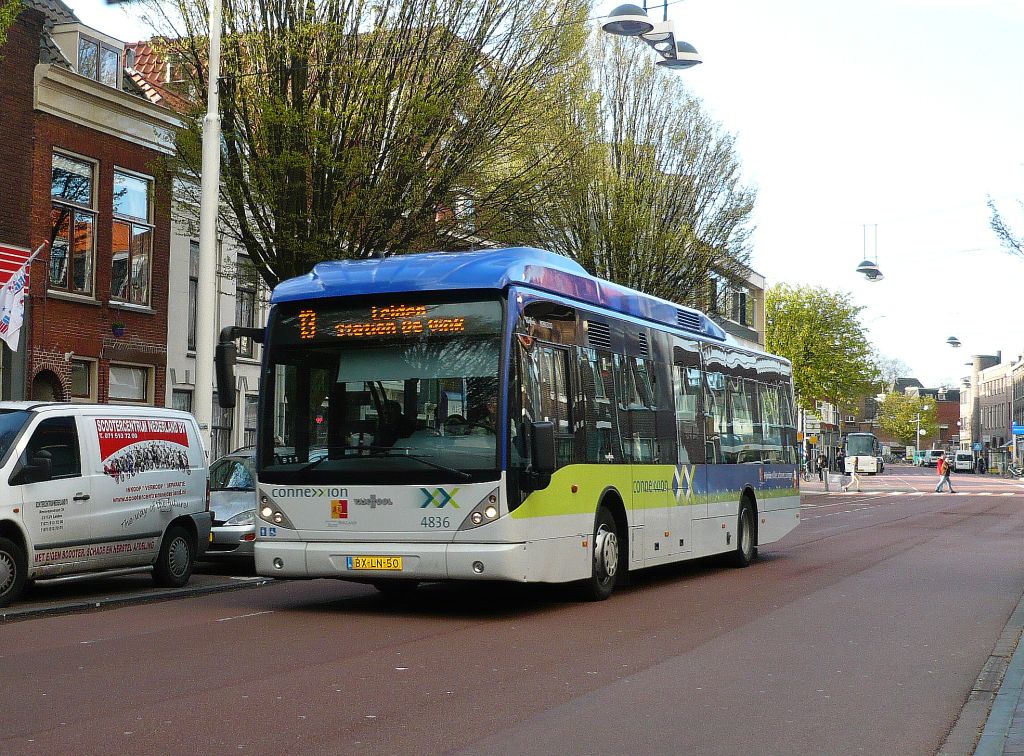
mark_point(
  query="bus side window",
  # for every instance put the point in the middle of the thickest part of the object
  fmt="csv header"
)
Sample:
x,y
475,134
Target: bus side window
x,y
686,382
554,398
771,423
601,442
715,417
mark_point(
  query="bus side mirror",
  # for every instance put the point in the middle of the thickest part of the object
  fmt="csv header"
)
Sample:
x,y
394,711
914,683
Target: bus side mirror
x,y
224,361
542,447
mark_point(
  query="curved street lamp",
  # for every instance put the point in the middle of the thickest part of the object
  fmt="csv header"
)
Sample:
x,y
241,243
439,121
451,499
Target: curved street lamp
x,y
953,341
631,20
628,21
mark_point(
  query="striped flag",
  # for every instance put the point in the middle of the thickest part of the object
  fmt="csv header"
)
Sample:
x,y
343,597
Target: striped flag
x,y
12,300
11,259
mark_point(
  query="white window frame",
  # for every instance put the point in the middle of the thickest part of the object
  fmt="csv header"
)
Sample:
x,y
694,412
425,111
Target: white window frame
x,y
133,221
150,384
90,208
92,365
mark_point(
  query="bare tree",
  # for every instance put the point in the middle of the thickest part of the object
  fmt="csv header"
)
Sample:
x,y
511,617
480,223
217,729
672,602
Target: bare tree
x,y
1007,237
652,197
353,128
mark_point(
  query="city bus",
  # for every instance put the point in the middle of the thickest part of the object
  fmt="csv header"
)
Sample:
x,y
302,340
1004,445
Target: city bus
x,y
504,415
864,448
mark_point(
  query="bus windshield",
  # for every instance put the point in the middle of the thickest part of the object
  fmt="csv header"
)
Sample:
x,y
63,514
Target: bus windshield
x,y
389,393
860,445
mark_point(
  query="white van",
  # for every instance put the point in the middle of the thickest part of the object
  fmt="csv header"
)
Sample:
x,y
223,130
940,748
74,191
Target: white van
x,y
963,461
931,457
89,489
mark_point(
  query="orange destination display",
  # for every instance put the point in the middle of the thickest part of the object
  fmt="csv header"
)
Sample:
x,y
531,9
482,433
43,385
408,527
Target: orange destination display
x,y
389,320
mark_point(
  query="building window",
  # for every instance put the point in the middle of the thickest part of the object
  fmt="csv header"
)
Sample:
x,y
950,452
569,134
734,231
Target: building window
x,y
220,430
245,301
181,400
129,383
251,404
72,224
83,380
193,292
132,239
99,61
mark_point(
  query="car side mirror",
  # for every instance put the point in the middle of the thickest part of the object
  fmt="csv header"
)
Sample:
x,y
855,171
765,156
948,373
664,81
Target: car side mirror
x,y
38,469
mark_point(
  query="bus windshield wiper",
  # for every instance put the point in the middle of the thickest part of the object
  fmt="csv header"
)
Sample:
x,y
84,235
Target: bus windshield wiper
x,y
423,460
385,451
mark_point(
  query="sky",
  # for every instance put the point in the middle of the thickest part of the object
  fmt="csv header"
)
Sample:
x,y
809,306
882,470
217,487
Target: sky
x,y
892,120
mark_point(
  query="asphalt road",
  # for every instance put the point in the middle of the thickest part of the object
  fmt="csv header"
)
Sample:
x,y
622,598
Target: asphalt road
x,y
861,632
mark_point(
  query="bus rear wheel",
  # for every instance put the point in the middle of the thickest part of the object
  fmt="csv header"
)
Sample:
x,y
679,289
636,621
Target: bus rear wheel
x,y
746,536
605,564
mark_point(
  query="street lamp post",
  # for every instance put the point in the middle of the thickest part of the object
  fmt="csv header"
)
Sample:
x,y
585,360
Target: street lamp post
x,y
206,291
920,432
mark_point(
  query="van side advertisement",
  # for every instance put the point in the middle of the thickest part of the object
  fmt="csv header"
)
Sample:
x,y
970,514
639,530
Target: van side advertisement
x,y
129,446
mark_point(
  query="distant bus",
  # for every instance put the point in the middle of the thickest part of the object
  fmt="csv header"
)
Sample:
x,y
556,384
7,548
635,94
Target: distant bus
x,y
864,448
504,415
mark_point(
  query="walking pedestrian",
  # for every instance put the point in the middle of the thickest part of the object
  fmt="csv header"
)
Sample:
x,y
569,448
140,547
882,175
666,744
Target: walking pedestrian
x,y
841,462
944,469
822,465
854,476
981,466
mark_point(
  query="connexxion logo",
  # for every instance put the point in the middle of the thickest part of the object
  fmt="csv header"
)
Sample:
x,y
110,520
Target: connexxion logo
x,y
439,498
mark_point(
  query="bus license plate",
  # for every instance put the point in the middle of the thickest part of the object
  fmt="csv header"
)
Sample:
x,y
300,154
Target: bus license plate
x,y
393,563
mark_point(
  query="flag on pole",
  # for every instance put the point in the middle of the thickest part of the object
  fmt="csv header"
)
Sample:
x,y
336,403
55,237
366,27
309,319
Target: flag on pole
x,y
12,301
11,260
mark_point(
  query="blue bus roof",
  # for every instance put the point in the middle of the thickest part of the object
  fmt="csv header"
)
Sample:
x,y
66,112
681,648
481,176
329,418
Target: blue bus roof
x,y
488,269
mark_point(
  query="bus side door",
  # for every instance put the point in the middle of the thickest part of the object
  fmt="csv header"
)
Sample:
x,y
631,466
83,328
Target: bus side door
x,y
689,485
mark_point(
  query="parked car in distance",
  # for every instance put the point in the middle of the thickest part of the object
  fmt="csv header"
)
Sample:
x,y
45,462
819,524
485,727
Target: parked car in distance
x,y
233,504
930,457
963,461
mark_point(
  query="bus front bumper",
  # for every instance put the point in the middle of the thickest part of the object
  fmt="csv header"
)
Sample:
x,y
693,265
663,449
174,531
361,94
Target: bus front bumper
x,y
418,561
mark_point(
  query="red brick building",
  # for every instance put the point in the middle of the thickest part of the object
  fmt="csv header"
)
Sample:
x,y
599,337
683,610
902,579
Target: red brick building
x,y
81,165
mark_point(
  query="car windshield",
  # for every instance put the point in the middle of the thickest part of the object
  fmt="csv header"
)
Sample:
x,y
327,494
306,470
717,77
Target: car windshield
x,y
11,423
231,475
413,397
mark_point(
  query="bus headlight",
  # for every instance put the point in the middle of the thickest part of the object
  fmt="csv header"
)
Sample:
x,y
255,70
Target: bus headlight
x,y
487,510
271,512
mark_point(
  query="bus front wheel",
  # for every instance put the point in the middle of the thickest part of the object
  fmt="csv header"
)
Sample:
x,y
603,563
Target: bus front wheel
x,y
605,564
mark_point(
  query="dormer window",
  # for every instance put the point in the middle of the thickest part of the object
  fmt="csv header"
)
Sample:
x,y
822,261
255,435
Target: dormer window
x,y
99,61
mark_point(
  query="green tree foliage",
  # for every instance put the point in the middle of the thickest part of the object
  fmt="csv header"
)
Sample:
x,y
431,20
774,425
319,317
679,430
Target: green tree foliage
x,y
897,416
651,196
355,128
9,10
819,331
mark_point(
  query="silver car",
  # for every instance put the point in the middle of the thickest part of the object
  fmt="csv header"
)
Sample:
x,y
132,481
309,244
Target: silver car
x,y
233,503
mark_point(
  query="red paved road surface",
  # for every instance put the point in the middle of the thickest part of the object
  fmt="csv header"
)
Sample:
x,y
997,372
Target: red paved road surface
x,y
862,632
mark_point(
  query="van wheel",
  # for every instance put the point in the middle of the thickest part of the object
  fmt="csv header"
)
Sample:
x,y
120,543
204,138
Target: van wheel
x,y
177,556
13,571
606,563
746,546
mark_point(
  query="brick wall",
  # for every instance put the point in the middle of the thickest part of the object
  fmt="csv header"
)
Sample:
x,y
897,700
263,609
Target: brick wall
x,y
19,56
58,325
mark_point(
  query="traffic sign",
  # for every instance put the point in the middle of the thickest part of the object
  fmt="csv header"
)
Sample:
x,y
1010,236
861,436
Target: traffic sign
x,y
1018,430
